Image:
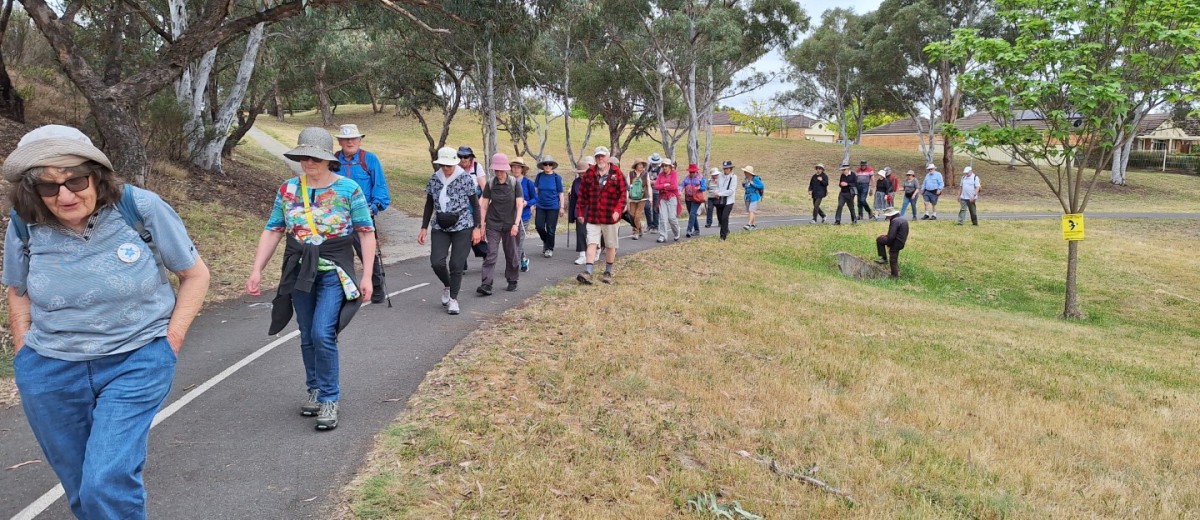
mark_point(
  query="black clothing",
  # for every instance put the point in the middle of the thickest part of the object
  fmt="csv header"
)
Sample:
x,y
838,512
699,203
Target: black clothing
x,y
546,222
850,180
894,242
891,255
723,211
845,198
456,246
300,272
819,185
817,211
427,214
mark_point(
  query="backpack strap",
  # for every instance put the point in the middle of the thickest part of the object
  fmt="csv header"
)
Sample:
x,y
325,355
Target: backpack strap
x,y
19,227
128,209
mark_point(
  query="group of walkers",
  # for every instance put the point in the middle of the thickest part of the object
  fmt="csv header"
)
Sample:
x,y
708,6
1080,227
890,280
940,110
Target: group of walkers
x,y
97,336
856,186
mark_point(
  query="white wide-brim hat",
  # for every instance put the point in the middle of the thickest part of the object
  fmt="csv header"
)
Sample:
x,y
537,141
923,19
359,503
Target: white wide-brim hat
x,y
313,142
51,145
349,132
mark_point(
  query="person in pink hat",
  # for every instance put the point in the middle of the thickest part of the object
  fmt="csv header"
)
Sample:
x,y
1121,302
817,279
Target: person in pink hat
x,y
500,208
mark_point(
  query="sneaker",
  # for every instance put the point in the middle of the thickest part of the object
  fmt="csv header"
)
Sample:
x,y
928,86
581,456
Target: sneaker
x,y
549,253
676,239
445,296
959,223
311,407
746,227
822,220
752,228
837,222
708,225
661,239
545,253
584,278
327,419
524,265
881,260
452,307
813,221
635,236
933,217
377,296
924,217
512,286
606,278
484,290
582,259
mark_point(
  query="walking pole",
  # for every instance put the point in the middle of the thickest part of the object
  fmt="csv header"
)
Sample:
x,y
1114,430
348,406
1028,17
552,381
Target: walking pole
x,y
379,267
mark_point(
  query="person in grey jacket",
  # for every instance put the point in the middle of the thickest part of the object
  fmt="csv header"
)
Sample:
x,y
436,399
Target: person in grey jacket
x,y
727,183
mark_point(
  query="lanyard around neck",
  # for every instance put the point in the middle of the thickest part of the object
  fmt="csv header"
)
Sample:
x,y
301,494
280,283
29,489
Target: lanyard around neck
x,y
312,226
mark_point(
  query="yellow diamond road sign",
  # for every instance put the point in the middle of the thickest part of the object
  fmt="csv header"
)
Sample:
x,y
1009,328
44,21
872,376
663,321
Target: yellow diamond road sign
x,y
1072,225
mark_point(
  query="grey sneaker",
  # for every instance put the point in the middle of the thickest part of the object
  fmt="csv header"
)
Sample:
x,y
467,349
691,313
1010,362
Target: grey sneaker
x,y
327,420
452,307
445,296
311,407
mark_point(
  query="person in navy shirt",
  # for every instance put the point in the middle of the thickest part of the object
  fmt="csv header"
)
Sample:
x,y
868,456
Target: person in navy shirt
x,y
364,168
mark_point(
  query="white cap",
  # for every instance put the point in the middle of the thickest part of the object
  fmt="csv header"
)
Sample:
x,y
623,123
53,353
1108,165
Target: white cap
x,y
930,166
600,150
967,170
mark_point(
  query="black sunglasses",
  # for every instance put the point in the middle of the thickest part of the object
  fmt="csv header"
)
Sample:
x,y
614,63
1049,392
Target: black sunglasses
x,y
51,189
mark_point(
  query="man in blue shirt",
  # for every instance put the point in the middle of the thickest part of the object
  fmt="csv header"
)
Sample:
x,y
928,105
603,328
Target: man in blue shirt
x,y
364,168
932,188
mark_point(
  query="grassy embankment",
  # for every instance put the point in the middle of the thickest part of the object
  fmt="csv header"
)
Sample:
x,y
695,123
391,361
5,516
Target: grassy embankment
x,y
785,166
953,392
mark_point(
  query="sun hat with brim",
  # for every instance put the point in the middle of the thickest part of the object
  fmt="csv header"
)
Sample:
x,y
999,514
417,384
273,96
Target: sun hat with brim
x,y
844,166
517,161
692,168
748,169
930,166
910,172
500,163
668,162
639,161
547,159
714,172
466,151
891,212
655,159
819,166
313,142
447,156
51,145
727,164
350,132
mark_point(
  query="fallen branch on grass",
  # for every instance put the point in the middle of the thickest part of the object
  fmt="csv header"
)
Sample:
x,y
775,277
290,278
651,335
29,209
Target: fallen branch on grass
x,y
796,475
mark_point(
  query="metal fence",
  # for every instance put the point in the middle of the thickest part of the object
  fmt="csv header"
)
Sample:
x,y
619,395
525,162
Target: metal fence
x,y
1162,161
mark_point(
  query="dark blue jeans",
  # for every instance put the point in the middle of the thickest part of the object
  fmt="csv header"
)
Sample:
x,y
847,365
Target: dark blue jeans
x,y
652,213
92,420
317,314
693,226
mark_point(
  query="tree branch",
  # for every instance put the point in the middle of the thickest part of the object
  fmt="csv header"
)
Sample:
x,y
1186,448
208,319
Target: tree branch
x,y
150,20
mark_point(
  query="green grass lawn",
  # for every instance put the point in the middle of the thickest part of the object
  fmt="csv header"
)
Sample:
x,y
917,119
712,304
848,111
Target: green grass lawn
x,y
953,392
784,164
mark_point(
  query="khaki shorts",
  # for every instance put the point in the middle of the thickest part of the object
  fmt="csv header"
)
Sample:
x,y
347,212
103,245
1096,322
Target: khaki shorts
x,y
608,231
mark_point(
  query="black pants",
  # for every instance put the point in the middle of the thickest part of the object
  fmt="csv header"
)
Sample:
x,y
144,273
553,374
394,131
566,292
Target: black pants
x,y
862,202
847,200
546,222
377,273
723,211
889,253
709,209
817,207
581,235
456,246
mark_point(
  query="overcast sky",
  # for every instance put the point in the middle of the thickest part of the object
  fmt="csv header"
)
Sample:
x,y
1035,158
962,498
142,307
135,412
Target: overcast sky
x,y
773,62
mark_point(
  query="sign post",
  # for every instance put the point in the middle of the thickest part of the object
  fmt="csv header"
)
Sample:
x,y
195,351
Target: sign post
x,y
1072,226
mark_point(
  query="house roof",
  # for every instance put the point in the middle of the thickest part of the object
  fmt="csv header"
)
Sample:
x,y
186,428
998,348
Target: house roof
x,y
901,126
799,121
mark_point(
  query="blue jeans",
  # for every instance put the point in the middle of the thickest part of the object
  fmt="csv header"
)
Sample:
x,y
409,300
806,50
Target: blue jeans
x,y
652,213
317,314
693,226
909,201
92,420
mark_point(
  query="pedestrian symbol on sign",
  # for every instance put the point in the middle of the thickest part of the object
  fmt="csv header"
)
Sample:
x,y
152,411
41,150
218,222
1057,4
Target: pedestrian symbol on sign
x,y
1072,226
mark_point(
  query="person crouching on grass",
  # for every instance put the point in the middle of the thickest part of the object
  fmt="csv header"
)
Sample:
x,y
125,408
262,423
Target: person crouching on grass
x,y
602,196
889,245
500,208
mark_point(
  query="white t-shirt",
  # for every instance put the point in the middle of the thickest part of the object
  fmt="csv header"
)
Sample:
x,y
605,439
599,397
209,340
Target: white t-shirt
x,y
970,187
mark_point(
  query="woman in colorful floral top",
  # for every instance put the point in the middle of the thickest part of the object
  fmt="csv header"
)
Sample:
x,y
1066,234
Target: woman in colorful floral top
x,y
319,212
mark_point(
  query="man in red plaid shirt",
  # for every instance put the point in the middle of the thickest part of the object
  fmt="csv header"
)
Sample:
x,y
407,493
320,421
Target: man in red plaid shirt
x,y
602,197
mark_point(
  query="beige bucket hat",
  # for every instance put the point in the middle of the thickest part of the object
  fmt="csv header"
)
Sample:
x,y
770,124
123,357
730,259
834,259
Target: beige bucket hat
x,y
51,145
313,142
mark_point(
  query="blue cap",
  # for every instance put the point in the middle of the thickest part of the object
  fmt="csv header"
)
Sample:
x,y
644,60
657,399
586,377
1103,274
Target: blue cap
x,y
727,164
464,151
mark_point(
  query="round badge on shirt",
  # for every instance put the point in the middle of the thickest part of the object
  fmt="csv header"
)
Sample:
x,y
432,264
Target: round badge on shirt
x,y
129,252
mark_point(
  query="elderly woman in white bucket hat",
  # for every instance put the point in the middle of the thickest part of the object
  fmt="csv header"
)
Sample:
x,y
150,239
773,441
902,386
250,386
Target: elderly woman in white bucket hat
x,y
320,213
452,209
96,324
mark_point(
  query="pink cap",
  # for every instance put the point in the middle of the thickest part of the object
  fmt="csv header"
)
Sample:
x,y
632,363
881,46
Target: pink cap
x,y
500,163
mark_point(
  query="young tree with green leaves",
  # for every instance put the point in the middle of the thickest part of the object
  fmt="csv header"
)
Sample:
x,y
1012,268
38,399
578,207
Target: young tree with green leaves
x,y
1076,67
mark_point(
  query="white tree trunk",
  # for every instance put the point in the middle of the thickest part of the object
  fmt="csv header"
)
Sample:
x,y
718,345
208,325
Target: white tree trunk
x,y
660,107
709,107
490,106
208,157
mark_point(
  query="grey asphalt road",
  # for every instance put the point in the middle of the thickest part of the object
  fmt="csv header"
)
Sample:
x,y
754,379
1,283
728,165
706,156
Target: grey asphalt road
x,y
237,448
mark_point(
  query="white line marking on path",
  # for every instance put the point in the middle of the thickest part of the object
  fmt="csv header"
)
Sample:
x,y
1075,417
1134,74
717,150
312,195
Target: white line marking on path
x,y
46,500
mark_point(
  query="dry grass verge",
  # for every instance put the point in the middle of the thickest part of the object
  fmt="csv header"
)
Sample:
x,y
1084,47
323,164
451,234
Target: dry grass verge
x,y
950,393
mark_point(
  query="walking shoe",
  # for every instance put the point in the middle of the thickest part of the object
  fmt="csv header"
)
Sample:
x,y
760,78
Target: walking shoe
x,y
484,290
925,217
746,227
606,278
933,217
512,286
452,307
822,220
584,278
635,236
524,265
311,407
549,253
881,260
545,253
708,225
327,420
661,239
582,258
445,296
813,221
959,223
377,295
837,222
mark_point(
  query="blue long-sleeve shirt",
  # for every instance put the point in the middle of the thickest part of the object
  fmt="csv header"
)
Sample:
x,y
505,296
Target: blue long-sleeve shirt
x,y
698,182
370,179
933,181
529,193
754,189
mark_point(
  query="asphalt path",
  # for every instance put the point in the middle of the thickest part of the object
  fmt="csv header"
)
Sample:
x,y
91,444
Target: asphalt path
x,y
231,444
